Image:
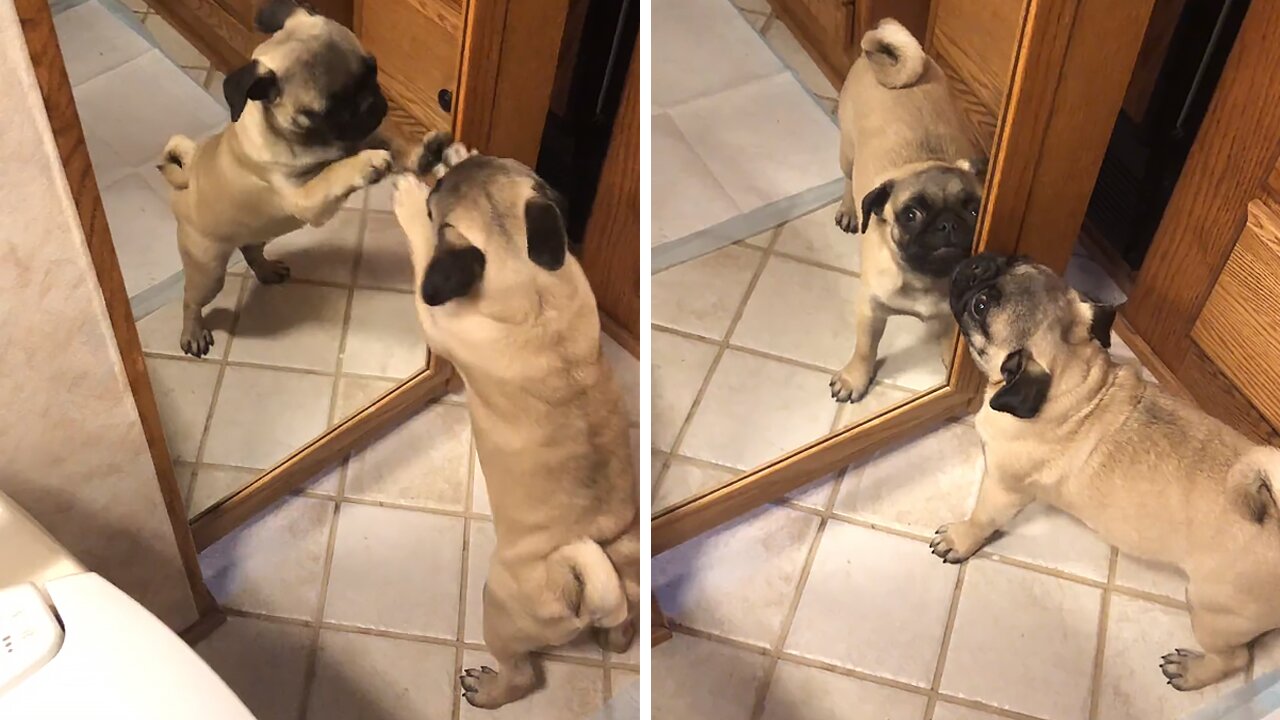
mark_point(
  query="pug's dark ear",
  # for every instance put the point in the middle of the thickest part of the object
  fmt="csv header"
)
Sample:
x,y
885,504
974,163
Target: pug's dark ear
x,y
1104,316
251,82
454,271
1026,386
977,166
874,202
544,225
273,14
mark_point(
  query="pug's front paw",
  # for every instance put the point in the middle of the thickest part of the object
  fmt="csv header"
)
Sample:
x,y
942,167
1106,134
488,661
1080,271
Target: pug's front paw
x,y
847,219
957,542
851,384
410,201
377,165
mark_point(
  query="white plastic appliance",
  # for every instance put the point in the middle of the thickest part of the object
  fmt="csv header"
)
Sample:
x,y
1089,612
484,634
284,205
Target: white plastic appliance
x,y
72,645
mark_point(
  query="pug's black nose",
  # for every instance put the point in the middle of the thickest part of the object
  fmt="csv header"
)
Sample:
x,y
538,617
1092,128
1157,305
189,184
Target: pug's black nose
x,y
947,226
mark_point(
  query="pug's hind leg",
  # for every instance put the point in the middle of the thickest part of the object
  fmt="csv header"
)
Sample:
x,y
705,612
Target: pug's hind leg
x,y
511,645
268,272
204,273
853,380
847,215
1225,637
998,502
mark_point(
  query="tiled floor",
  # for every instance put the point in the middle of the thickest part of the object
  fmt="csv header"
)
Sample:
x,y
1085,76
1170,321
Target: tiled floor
x,y
831,601
361,596
755,331
730,158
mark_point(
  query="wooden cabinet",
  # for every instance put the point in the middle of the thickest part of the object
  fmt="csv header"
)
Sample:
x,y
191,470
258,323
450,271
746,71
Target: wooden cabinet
x,y
830,30
1205,300
481,68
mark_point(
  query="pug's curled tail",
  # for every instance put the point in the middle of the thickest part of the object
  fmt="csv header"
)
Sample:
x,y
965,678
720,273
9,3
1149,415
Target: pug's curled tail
x,y
596,595
1251,485
177,159
896,58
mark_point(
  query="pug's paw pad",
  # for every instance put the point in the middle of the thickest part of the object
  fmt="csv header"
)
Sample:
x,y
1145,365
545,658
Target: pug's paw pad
x,y
850,384
957,542
378,164
196,341
482,687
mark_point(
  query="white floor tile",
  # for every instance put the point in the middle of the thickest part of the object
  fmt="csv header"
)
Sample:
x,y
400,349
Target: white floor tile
x,y
174,44
274,563
1151,577
756,6
356,393
323,254
263,415
798,691
138,106
764,551
695,679
878,398
816,238
701,47
703,295
396,570
184,392
686,195
801,312
918,485
794,56
161,331
422,462
1138,634
384,337
263,662
213,483
363,676
686,479
762,157
93,41
380,196
1045,536
1088,277
894,630
756,409
293,325
572,692
626,374
1024,641
817,494
679,367
384,259
479,553
143,230
909,357
479,489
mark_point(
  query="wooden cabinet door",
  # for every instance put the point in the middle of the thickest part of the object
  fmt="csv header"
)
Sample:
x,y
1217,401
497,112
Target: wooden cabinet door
x,y
1205,299
418,44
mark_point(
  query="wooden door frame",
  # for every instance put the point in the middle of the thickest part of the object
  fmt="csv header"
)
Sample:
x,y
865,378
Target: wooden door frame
x,y
64,120
1070,73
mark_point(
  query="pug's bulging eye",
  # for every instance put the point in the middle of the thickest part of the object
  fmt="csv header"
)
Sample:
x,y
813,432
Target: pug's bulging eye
x,y
910,214
981,304
973,212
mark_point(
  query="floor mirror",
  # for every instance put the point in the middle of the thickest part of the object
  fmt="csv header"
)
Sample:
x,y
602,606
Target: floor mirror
x,y
304,372
753,321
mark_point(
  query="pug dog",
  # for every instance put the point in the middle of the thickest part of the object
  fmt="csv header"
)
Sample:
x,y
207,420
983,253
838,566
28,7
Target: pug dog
x,y
500,296
1066,424
909,155
303,136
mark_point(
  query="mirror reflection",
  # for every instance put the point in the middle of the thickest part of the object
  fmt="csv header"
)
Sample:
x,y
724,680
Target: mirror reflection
x,y
253,352
809,208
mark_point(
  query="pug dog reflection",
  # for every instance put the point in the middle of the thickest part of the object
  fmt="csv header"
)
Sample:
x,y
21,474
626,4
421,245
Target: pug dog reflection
x,y
304,114
906,151
1155,476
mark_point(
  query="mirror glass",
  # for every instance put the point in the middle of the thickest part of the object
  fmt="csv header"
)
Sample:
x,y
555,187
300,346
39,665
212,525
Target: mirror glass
x,y
810,200
292,353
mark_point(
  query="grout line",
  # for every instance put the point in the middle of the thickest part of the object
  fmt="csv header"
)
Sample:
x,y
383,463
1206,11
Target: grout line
x,y
358,255
151,354
945,649
313,654
724,342
217,393
1100,649
466,564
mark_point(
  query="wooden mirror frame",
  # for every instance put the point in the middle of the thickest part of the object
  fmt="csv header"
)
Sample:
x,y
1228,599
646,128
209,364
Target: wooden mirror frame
x,y
1070,72
521,72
